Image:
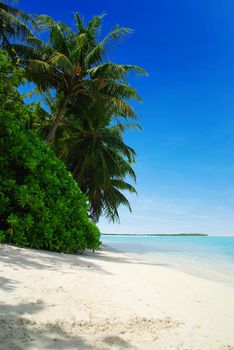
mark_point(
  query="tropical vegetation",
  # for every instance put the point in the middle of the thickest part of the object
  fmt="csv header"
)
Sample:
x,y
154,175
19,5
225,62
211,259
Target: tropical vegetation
x,y
80,111
41,205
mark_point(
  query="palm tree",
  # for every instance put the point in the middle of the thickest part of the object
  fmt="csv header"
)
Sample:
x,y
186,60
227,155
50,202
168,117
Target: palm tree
x,y
99,160
94,151
73,64
13,25
90,95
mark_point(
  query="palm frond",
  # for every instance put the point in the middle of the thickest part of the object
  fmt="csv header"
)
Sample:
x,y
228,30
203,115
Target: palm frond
x,y
38,66
95,55
80,23
26,53
14,27
127,125
115,71
62,62
14,11
118,106
123,185
45,22
35,42
95,24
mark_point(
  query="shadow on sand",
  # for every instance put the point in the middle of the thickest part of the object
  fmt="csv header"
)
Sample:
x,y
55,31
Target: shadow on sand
x,y
19,329
19,332
39,259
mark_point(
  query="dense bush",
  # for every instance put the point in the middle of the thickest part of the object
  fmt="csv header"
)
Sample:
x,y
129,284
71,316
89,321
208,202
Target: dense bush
x,y
41,206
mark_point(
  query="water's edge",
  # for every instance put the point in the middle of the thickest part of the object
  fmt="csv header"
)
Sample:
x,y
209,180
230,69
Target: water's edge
x,y
206,257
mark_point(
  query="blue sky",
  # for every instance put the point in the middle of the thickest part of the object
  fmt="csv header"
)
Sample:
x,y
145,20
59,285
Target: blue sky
x,y
185,163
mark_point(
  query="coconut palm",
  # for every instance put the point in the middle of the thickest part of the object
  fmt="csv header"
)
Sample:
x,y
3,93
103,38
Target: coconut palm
x,y
73,64
90,95
94,151
99,160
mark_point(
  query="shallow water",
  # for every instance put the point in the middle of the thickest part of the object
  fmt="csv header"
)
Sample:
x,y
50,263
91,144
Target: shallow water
x,y
206,257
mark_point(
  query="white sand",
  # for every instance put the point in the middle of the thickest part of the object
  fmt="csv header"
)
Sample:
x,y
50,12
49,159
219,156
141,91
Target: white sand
x,y
108,301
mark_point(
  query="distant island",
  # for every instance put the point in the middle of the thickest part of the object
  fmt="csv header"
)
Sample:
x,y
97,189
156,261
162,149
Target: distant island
x,y
156,234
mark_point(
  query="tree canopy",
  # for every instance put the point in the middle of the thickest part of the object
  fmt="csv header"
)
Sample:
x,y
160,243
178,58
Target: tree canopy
x,y
80,110
41,205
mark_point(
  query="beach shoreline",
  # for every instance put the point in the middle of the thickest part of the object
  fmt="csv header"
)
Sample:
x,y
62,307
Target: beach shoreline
x,y
108,300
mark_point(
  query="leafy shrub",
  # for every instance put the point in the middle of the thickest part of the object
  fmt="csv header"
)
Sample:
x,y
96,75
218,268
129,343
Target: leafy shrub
x,y
41,206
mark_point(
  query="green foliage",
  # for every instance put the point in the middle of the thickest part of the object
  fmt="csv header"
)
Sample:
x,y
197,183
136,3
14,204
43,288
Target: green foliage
x,y
88,99
95,152
100,161
90,94
13,25
74,64
41,206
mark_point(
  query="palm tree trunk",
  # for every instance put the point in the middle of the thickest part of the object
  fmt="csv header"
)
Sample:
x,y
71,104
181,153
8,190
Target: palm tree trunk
x,y
57,121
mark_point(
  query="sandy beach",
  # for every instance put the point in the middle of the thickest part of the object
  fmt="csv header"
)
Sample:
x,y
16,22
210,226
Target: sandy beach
x,y
107,300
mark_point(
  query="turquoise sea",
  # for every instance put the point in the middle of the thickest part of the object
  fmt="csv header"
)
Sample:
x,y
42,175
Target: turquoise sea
x,y
206,257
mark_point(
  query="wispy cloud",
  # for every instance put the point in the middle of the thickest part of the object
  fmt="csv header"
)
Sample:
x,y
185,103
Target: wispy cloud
x,y
169,215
